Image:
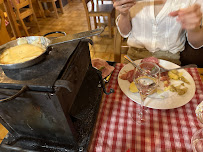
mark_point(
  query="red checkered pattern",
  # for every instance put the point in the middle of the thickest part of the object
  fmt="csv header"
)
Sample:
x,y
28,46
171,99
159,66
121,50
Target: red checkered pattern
x,y
167,130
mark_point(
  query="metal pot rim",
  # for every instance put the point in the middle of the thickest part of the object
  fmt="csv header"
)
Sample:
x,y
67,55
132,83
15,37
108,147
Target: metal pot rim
x,y
43,40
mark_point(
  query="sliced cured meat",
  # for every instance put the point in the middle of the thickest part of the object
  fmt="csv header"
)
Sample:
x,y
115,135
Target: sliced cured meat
x,y
123,76
128,76
164,75
103,66
147,65
151,59
164,78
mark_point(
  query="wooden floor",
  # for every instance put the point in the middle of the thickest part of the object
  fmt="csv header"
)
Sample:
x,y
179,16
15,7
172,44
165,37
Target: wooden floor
x,y
74,21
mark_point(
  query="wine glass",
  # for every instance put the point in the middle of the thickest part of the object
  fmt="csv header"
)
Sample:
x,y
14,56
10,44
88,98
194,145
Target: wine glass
x,y
146,78
197,138
197,141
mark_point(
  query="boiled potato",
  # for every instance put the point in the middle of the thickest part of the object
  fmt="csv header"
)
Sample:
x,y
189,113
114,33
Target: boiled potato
x,y
172,88
166,88
180,89
173,75
159,91
133,87
175,72
182,78
180,74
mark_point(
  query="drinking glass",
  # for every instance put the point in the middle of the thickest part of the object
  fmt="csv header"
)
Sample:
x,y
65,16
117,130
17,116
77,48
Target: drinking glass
x,y
197,141
197,138
146,78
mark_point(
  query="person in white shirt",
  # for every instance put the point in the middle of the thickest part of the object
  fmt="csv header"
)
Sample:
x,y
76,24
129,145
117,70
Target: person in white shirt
x,y
160,27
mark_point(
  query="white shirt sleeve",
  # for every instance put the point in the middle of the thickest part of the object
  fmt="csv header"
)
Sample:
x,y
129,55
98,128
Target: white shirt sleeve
x,y
123,35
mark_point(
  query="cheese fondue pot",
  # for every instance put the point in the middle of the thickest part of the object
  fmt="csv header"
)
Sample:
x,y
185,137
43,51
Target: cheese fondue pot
x,y
46,43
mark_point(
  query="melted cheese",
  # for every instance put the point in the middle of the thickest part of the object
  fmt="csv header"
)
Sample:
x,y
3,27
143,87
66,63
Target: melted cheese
x,y
20,53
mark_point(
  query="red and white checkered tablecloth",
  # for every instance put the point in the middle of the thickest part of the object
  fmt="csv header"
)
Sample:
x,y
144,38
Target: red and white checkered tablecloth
x,y
168,130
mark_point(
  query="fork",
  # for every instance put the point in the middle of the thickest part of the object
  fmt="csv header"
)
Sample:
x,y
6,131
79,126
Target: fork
x,y
130,60
162,69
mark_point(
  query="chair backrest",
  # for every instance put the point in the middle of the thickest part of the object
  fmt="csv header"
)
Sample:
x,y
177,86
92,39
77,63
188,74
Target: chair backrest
x,y
85,4
19,4
92,3
4,38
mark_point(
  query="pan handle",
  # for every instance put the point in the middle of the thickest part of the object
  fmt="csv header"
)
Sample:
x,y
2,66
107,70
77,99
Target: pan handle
x,y
64,33
23,89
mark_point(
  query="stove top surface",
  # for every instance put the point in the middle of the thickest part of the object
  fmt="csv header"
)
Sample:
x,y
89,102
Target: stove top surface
x,y
41,76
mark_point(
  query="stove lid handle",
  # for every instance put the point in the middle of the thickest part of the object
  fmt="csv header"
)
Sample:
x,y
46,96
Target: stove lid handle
x,y
23,89
64,84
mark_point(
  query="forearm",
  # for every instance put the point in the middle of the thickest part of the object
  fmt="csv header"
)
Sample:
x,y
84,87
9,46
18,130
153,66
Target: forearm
x,y
124,24
195,37
190,19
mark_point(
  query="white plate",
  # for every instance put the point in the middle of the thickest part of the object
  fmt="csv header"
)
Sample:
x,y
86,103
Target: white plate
x,y
166,100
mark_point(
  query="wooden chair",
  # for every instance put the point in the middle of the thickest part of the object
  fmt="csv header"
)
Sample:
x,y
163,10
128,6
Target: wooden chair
x,y
4,38
24,9
7,7
53,5
96,11
120,46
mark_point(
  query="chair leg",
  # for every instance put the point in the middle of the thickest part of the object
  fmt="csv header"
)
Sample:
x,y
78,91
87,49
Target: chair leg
x,y
95,22
35,19
99,22
61,6
109,25
88,23
41,8
117,45
55,9
24,27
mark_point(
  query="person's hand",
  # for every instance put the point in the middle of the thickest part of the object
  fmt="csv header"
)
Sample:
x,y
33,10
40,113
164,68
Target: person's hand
x,y
190,18
123,6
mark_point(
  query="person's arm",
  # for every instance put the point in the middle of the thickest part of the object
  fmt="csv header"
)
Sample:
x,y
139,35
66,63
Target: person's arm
x,y
195,36
124,22
190,19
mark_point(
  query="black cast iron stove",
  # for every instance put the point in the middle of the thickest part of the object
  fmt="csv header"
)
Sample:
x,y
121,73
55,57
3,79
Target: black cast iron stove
x,y
58,110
